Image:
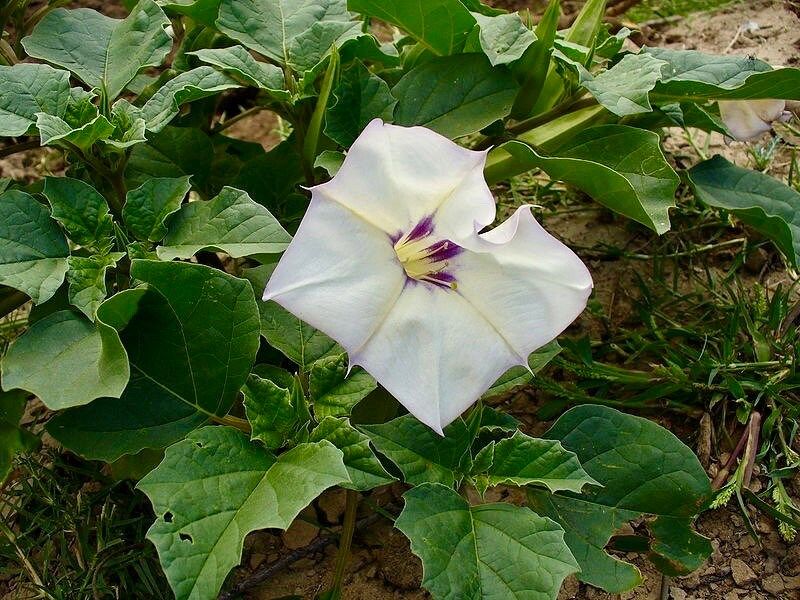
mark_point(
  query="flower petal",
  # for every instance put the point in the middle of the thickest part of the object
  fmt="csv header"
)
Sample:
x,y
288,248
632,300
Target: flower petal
x,y
523,281
749,119
339,274
435,354
395,176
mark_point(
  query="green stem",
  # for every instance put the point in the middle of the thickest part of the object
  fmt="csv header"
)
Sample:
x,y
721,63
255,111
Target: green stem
x,y
345,540
311,140
570,105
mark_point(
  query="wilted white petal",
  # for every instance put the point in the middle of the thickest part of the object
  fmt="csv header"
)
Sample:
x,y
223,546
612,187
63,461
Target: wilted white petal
x,y
435,354
395,176
749,119
525,282
339,274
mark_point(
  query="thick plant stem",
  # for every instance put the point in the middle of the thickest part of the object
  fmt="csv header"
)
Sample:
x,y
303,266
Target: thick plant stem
x,y
345,539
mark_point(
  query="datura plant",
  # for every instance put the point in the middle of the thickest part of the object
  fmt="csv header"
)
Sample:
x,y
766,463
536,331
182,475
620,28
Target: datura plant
x,y
249,328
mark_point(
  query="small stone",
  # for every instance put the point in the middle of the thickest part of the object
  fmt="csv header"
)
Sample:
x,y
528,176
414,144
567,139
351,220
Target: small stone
x,y
332,505
774,585
741,573
732,595
690,582
771,565
299,534
677,593
792,583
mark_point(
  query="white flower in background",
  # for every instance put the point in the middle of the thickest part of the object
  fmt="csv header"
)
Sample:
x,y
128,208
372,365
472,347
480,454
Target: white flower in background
x,y
388,261
749,119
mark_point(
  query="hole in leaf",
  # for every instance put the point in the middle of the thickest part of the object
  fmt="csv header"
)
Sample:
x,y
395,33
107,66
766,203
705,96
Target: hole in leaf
x,y
199,444
185,537
168,517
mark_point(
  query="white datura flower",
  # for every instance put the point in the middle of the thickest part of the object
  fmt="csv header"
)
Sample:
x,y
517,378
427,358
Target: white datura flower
x,y
749,119
389,262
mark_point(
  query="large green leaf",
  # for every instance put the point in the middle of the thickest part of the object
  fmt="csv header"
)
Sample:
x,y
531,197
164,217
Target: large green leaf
x,y
360,97
296,33
172,152
147,207
87,280
421,454
644,470
82,126
524,460
66,360
334,389
214,488
237,62
82,211
489,551
104,53
621,167
503,38
693,75
625,88
189,86
365,470
29,89
442,26
33,250
760,201
296,339
231,223
191,334
454,95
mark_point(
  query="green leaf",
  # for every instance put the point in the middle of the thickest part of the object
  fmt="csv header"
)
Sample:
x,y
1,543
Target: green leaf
x,y
644,470
67,361
442,26
82,211
271,411
421,454
202,11
692,75
622,168
625,88
82,126
147,207
191,334
334,392
760,201
503,38
189,86
360,97
104,53
129,126
172,152
298,340
522,460
33,250
29,89
489,551
329,160
455,95
518,376
13,439
365,470
200,528
298,34
238,63
87,280
231,223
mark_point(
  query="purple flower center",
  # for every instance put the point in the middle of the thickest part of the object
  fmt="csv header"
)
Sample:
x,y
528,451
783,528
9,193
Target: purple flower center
x,y
426,258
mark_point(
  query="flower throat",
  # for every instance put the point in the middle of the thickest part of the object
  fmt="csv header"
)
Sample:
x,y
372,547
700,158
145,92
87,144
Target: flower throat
x,y
426,258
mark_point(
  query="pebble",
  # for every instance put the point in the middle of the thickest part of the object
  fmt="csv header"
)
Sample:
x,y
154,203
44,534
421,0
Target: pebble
x,y
299,534
741,573
677,594
774,585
